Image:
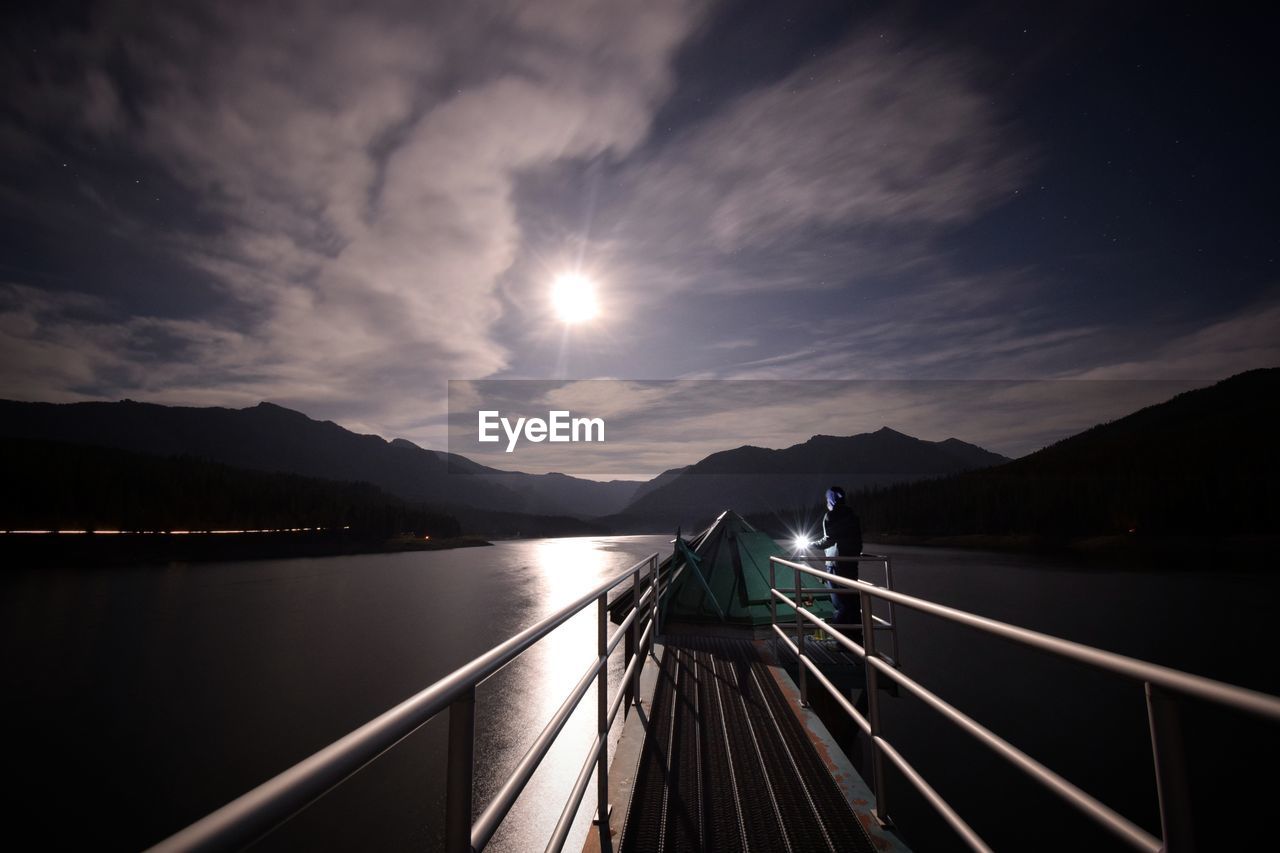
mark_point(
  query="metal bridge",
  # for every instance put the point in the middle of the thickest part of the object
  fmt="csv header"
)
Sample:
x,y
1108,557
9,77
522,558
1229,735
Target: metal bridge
x,y
728,766
726,761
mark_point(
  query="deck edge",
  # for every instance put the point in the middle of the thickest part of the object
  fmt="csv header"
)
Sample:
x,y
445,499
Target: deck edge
x,y
626,756
855,789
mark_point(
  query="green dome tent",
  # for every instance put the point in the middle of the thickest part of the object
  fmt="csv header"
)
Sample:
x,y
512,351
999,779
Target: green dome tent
x,y
722,576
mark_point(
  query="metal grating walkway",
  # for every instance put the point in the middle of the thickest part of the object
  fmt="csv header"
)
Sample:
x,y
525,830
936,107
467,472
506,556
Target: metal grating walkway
x,y
726,765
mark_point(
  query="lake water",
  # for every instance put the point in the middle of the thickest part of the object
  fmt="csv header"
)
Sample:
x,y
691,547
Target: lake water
x,y
138,700
1088,726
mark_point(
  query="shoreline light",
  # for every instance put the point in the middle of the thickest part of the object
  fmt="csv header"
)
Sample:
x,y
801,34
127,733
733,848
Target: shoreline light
x,y
52,532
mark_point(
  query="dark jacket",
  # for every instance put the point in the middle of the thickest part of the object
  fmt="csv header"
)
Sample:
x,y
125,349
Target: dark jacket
x,y
841,537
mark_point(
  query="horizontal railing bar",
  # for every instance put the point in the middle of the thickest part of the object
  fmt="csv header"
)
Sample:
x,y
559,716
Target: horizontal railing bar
x,y
487,824
835,635
623,627
1092,807
865,558
502,802
584,776
627,675
615,704
853,584
1240,698
845,704
935,799
777,629
570,811
825,625
1095,809
782,596
619,634
565,822
842,639
831,688
948,813
879,627
261,809
644,638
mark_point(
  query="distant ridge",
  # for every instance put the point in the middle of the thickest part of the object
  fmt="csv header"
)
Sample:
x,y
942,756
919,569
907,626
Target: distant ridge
x,y
1204,463
267,437
752,479
52,485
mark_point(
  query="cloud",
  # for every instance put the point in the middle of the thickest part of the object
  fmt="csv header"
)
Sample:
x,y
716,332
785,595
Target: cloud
x,y
939,326
359,163
849,166
840,177
872,134
69,344
1007,327
1229,345
373,193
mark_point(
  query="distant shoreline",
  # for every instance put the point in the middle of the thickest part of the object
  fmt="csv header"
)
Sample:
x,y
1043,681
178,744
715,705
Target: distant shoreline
x,y
51,550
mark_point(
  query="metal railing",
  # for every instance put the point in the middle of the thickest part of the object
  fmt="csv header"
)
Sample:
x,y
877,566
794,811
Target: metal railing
x,y
1162,685
881,624
253,814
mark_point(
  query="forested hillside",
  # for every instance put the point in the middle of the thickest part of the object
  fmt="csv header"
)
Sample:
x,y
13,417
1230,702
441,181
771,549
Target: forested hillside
x,y
52,485
1204,462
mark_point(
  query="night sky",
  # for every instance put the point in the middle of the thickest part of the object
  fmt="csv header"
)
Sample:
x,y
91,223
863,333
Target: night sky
x,y
341,206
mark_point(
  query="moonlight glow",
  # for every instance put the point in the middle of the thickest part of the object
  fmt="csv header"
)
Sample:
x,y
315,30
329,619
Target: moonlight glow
x,y
574,298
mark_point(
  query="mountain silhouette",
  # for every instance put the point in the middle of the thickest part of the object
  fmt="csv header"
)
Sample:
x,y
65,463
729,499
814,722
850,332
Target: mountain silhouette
x,y
51,485
753,479
1203,463
268,437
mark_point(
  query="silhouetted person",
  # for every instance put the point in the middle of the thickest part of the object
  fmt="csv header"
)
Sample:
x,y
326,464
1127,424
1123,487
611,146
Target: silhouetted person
x,y
841,537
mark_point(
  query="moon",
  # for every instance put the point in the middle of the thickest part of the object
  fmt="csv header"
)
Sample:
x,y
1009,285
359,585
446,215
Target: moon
x,y
574,298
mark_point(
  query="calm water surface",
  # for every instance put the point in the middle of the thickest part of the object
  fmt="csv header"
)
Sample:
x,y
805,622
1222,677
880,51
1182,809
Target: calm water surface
x,y
141,699
1090,727
145,698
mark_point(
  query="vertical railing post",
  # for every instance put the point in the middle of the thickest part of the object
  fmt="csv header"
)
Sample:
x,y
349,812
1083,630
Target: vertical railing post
x,y
873,712
602,724
893,613
773,587
653,586
629,644
457,819
804,680
657,599
1171,770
